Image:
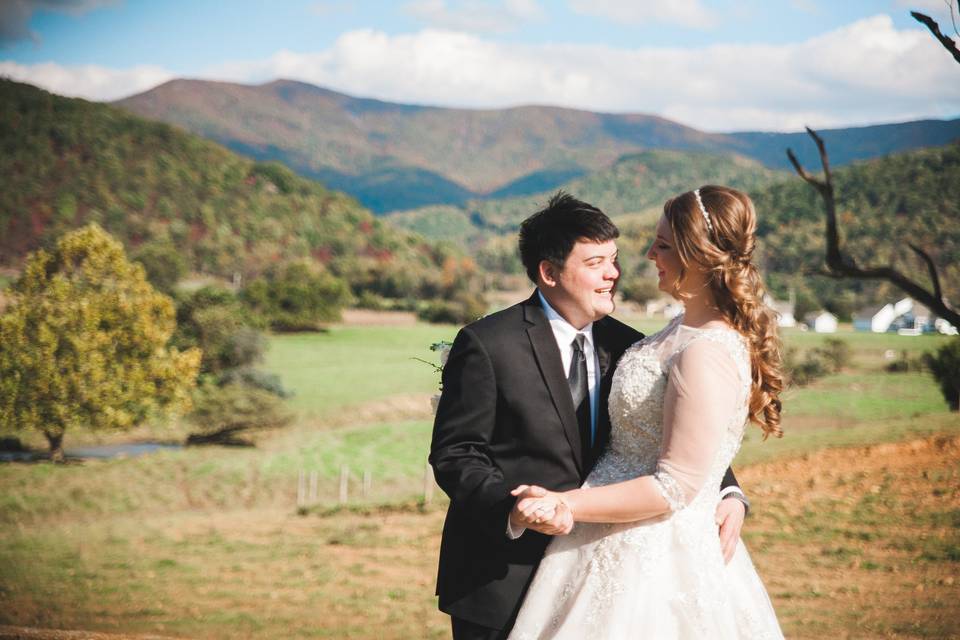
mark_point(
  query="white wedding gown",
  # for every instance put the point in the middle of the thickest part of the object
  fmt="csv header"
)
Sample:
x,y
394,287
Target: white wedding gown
x,y
678,408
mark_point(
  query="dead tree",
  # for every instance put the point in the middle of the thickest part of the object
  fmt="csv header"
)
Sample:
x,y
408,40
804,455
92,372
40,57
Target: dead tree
x,y
843,265
947,42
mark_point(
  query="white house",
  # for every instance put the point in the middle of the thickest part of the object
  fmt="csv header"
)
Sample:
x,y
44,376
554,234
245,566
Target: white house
x,y
784,310
821,321
666,307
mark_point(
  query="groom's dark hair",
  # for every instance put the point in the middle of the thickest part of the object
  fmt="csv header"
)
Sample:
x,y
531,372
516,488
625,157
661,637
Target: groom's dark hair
x,y
550,233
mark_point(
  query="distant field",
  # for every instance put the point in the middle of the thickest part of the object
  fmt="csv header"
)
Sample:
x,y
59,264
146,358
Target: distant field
x,y
355,365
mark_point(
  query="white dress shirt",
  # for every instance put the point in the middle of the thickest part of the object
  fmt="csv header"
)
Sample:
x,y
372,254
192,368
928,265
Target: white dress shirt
x,y
564,333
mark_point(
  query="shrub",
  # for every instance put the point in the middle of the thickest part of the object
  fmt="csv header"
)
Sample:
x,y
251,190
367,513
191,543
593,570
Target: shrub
x,y
213,319
640,289
230,413
462,310
944,364
905,364
164,263
836,353
257,379
297,296
802,372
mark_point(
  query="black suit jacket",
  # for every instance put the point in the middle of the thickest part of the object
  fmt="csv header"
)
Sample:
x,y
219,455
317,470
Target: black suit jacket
x,y
505,418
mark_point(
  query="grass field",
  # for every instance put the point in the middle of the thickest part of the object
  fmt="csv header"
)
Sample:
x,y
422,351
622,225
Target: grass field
x,y
205,542
349,366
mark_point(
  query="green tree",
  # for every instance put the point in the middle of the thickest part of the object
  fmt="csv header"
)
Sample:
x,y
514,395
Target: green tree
x,y
164,263
297,296
83,343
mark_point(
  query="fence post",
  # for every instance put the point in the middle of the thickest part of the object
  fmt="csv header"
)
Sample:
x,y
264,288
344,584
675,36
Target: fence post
x,y
428,484
344,481
313,486
301,490
367,483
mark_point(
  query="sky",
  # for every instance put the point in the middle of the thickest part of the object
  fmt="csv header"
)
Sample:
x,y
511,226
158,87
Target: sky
x,y
717,65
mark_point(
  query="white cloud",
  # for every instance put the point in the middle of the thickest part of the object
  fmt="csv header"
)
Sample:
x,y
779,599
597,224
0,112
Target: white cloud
x,y
863,73
88,81
475,16
15,15
687,13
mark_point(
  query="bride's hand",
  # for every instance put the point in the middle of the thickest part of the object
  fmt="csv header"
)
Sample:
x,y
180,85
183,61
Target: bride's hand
x,y
536,504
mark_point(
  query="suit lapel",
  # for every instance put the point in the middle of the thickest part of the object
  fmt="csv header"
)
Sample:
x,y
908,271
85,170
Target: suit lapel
x,y
547,355
605,357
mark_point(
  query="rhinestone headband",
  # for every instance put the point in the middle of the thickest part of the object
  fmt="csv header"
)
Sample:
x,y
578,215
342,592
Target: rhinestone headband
x,y
703,210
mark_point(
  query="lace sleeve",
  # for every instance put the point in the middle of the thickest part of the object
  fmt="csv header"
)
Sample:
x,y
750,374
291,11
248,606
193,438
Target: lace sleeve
x,y
700,403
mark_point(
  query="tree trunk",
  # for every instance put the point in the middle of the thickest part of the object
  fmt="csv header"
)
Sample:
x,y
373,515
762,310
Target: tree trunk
x,y
56,446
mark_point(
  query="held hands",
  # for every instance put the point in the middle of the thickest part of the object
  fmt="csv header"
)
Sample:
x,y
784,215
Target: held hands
x,y
541,510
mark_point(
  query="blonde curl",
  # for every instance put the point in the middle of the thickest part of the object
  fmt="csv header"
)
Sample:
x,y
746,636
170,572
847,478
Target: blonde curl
x,y
726,252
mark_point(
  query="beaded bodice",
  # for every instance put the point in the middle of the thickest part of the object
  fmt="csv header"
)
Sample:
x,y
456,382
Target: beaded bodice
x,y
636,404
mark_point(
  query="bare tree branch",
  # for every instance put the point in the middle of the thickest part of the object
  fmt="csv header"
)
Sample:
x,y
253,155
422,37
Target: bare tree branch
x,y
931,267
931,24
841,265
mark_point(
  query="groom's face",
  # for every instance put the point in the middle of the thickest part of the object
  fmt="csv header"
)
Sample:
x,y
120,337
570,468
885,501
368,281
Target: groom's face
x,y
582,290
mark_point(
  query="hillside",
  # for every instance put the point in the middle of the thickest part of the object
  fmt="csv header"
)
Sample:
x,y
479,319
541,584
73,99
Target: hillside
x,y
66,162
635,187
911,196
396,156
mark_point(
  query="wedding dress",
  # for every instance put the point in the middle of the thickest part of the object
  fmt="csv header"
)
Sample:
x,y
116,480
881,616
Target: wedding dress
x,y
678,406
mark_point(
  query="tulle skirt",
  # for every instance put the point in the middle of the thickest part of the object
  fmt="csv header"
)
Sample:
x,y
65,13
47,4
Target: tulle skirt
x,y
652,580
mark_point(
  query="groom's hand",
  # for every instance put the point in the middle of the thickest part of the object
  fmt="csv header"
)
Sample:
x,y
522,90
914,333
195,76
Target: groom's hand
x,y
537,509
519,518
729,516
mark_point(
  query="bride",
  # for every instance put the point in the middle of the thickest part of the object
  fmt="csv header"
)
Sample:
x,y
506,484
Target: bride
x,y
644,560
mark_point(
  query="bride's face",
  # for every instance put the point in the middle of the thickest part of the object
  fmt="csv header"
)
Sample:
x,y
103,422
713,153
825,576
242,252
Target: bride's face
x,y
663,253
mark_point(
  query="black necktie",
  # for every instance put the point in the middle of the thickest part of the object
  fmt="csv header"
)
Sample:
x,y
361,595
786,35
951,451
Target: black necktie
x,y
577,378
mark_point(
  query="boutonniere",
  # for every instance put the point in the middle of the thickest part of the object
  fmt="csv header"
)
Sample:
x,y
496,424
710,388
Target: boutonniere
x,y
444,348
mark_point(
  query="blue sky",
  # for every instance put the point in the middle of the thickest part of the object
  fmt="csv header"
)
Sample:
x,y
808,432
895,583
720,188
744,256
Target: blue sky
x,y
714,64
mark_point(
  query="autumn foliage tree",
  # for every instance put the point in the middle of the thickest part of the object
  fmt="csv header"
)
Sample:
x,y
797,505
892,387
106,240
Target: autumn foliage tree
x,y
83,343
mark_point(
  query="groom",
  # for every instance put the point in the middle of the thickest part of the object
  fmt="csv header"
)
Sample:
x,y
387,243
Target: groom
x,y
508,416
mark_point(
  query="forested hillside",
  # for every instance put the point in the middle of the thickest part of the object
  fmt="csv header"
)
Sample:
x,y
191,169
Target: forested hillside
x,y
66,162
398,156
883,204
635,187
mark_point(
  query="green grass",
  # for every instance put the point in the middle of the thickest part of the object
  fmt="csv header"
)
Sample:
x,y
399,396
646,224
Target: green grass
x,y
349,366
336,373
851,397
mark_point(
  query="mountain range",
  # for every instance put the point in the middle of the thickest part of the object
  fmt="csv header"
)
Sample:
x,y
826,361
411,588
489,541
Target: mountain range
x,y
398,156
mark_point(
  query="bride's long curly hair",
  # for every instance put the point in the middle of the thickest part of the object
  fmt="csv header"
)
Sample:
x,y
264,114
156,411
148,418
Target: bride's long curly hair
x,y
726,253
